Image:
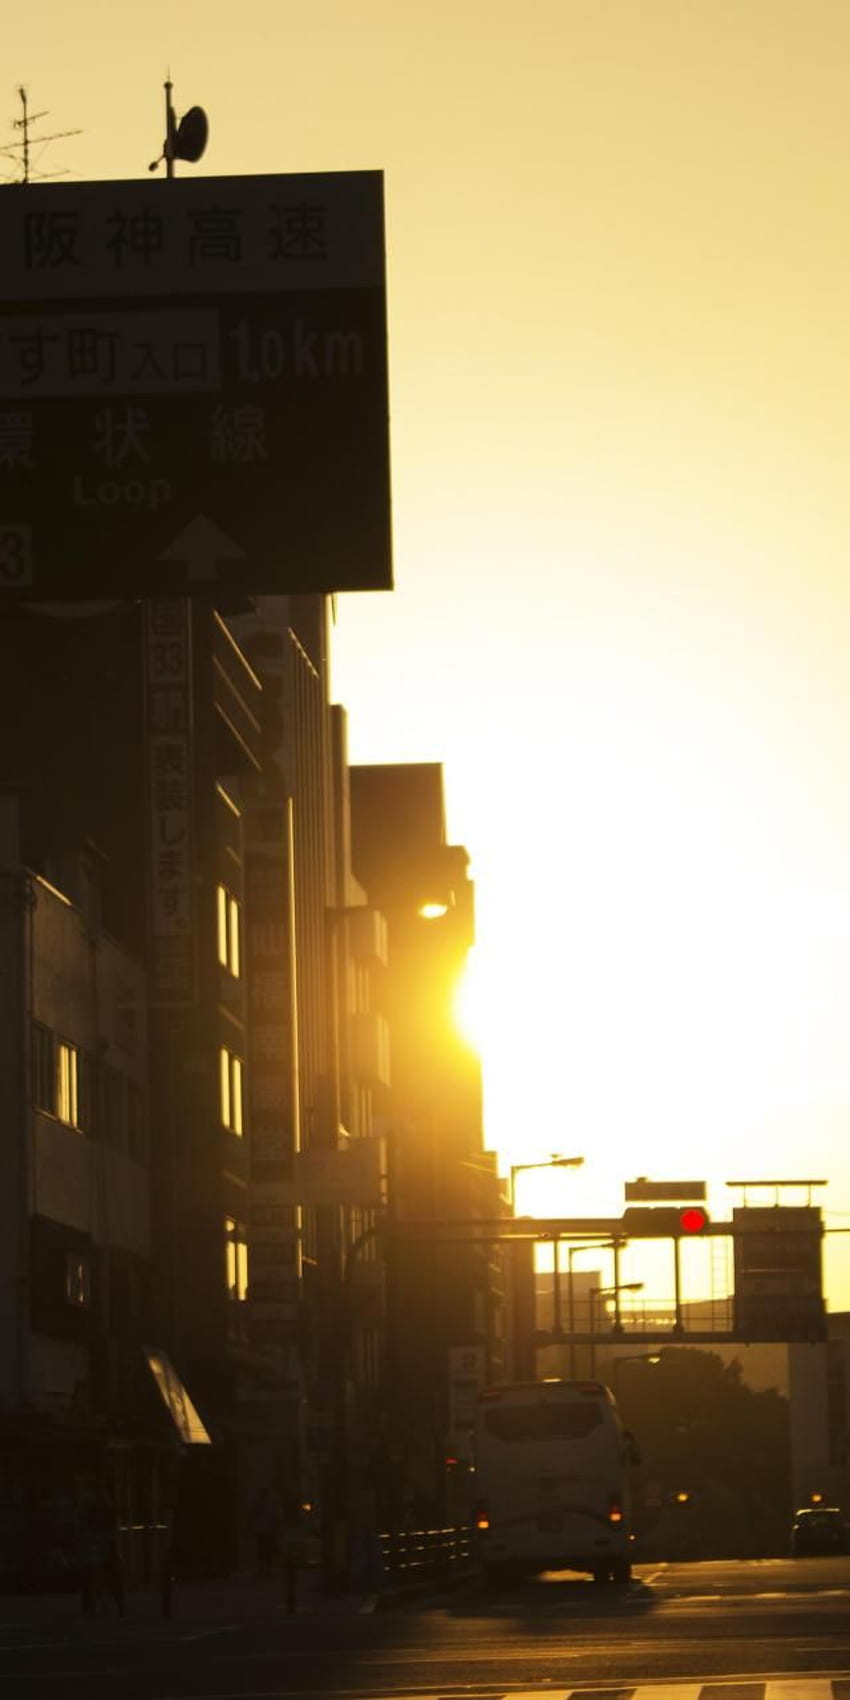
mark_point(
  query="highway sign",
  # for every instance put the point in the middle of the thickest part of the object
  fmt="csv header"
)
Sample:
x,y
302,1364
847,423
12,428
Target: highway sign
x,y
666,1192
193,387
778,1273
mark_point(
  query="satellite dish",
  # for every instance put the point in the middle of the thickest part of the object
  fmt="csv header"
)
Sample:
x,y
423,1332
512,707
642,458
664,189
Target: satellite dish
x,y
192,132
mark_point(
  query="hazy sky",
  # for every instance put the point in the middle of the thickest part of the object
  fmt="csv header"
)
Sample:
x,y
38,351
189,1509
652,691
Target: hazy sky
x,y
619,288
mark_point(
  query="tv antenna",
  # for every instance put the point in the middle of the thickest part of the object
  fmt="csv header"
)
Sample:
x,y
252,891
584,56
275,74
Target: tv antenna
x,y
19,152
184,140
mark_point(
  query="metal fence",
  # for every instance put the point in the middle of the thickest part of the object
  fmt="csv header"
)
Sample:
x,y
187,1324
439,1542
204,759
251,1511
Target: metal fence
x,y
414,1555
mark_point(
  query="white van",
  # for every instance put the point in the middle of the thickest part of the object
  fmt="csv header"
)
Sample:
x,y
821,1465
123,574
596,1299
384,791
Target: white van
x,y
552,1480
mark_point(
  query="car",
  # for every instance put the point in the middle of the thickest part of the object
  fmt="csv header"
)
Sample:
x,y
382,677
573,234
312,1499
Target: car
x,y
818,1530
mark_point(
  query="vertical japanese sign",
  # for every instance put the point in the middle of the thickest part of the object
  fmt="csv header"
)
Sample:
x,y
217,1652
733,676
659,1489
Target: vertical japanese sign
x,y
193,387
168,748
467,1376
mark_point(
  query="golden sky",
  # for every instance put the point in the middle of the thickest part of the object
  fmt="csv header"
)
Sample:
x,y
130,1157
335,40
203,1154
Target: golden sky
x,y
619,276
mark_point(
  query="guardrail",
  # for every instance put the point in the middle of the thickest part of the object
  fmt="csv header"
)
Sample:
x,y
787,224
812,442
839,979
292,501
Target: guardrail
x,y
415,1555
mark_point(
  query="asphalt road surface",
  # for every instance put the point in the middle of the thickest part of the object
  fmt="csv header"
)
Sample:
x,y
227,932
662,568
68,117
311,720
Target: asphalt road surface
x,y
772,1630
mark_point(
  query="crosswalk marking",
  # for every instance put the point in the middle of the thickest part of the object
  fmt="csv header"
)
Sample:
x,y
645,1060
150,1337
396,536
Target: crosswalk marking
x,y
798,1688
778,1688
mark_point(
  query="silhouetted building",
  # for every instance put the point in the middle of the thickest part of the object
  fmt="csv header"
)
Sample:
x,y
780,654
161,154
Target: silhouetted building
x,y
133,726
76,1392
319,1069
444,1293
219,986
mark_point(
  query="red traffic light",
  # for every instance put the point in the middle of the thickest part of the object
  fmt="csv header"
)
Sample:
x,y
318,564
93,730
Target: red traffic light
x,y
663,1222
693,1219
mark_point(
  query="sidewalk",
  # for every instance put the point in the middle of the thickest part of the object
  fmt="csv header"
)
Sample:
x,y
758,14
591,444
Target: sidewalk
x,y
231,1599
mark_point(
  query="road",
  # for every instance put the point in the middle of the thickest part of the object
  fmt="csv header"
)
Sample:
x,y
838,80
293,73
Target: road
x,y
692,1626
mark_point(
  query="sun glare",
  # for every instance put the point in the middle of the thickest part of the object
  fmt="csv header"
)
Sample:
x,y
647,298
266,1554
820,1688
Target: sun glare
x,y
677,1003
470,1011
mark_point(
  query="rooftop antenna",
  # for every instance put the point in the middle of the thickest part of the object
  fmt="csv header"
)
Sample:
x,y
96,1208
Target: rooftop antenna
x,y
19,152
184,140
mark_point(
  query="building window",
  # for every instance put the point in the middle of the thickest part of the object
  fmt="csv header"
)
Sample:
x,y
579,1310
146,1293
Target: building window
x,y
67,1083
228,932
230,1075
236,1259
43,1069
77,1279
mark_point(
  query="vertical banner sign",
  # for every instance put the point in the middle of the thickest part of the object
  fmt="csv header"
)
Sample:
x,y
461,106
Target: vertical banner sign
x,y
169,762
267,812
467,1377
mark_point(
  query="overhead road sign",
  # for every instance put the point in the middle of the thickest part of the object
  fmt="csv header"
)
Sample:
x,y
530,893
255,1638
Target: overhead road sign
x,y
778,1272
193,388
663,1192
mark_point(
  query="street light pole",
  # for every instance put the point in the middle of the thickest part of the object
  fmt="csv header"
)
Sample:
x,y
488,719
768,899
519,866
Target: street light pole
x,y
573,1250
556,1161
607,1292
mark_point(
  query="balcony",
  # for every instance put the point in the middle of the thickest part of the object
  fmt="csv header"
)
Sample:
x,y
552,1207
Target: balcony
x,y
370,1048
367,937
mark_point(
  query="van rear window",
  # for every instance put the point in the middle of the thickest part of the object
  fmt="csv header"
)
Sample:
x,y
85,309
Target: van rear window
x,y
516,1423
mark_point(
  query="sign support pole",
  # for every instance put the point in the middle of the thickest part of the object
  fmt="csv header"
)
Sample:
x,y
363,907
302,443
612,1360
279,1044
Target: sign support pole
x,y
170,131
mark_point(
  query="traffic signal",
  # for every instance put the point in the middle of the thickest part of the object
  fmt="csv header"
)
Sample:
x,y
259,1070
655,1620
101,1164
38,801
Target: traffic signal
x,y
664,1222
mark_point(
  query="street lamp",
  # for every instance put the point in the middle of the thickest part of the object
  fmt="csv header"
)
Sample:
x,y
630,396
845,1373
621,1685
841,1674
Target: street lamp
x,y
608,1292
556,1161
573,1251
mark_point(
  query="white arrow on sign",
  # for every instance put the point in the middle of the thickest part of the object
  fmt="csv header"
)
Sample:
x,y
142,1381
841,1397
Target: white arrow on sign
x,y
202,545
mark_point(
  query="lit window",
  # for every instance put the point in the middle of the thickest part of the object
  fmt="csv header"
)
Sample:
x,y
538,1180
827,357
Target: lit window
x,y
228,932
67,1083
236,1095
222,926
230,1090
77,1279
236,1259
233,935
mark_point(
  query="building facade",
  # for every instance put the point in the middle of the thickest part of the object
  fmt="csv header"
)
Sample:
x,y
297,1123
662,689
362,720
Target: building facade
x,y
445,1288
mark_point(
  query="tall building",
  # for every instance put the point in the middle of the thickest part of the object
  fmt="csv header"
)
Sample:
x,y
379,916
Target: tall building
x,y
319,1072
133,727
445,1289
213,933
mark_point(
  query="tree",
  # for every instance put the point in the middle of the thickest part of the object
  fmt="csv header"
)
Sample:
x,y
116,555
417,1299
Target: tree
x,y
703,1433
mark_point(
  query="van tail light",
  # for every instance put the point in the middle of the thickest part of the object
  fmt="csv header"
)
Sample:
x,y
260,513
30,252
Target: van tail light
x,y
615,1512
482,1517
